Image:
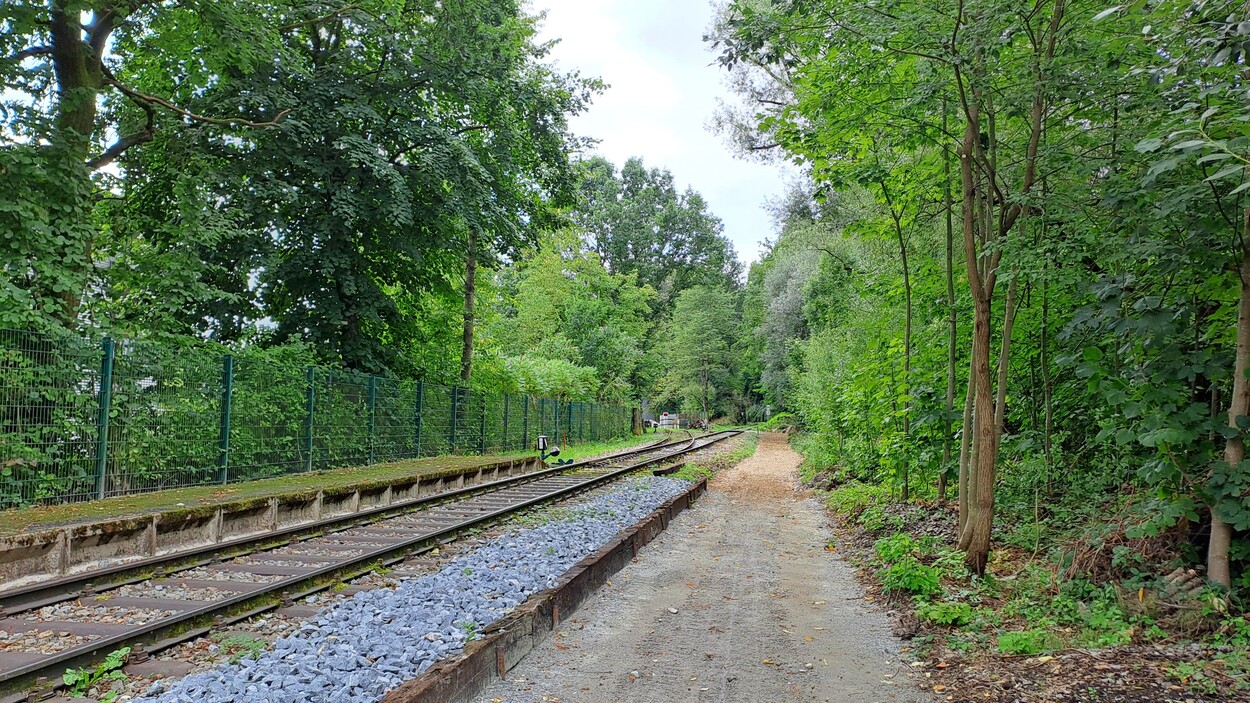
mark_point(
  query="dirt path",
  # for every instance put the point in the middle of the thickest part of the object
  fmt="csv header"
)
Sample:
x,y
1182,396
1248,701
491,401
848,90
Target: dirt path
x,y
763,612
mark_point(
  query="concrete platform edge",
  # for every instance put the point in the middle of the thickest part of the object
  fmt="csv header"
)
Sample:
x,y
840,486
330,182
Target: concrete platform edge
x,y
504,644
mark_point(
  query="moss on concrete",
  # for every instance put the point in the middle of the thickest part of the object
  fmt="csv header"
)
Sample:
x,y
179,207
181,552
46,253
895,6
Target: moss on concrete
x,y
189,503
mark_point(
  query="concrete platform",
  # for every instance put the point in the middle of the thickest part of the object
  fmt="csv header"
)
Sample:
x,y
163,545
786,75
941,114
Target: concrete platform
x,y
78,542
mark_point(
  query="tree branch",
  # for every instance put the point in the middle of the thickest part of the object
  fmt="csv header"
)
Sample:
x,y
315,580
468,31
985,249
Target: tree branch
x,y
318,20
133,94
30,53
111,154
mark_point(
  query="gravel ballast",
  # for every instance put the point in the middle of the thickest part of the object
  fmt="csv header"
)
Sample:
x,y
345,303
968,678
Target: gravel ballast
x,y
358,649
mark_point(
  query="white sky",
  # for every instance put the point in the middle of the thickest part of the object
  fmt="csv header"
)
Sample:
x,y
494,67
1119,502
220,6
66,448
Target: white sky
x,y
661,97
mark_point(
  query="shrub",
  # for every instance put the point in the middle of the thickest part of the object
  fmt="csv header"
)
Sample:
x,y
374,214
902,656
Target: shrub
x,y
780,421
893,548
910,576
1026,642
944,613
852,499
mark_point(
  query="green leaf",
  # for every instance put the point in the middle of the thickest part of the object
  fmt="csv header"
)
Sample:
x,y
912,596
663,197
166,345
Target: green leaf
x,y
1220,156
1189,144
1227,171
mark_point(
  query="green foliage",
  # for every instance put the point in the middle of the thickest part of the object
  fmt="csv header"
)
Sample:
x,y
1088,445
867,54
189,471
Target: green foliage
x,y
777,422
852,499
945,613
564,306
1115,151
1025,643
908,575
238,647
692,472
896,547
698,351
642,225
79,681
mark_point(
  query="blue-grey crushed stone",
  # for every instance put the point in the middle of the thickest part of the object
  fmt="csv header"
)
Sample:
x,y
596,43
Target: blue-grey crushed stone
x,y
357,650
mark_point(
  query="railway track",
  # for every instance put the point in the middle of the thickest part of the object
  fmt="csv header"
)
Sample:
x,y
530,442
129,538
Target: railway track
x,y
158,603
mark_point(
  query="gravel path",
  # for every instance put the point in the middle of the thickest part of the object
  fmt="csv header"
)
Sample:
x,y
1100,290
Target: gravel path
x,y
738,601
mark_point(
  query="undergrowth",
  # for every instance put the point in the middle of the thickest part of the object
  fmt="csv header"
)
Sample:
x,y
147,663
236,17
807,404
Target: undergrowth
x,y
1073,573
699,470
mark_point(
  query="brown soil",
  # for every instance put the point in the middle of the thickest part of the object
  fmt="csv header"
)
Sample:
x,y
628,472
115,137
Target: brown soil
x,y
739,601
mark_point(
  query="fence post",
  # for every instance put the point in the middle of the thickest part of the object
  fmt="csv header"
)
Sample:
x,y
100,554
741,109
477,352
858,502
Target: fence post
x,y
568,421
525,423
373,415
481,433
451,431
311,407
507,402
105,401
420,398
227,403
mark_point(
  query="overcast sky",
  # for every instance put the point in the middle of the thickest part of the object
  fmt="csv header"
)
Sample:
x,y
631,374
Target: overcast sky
x,y
661,96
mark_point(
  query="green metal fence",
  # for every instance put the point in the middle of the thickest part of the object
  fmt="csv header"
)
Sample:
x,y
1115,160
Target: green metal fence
x,y
82,419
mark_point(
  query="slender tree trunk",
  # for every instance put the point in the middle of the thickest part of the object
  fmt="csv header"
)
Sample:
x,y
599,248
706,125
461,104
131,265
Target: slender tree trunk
x,y
907,315
1238,408
965,444
1004,357
470,290
1048,428
953,339
975,538
896,214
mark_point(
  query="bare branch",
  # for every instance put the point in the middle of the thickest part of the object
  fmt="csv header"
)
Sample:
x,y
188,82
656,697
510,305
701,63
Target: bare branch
x,y
123,143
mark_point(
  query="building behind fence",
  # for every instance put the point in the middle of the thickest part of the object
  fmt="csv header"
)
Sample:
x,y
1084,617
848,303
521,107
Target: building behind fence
x,y
82,419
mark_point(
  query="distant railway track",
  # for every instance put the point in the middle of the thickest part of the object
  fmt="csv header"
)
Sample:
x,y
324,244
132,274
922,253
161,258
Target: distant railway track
x,y
158,603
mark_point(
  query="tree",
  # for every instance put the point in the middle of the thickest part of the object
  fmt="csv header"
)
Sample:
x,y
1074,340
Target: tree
x,y
698,352
82,90
639,223
565,305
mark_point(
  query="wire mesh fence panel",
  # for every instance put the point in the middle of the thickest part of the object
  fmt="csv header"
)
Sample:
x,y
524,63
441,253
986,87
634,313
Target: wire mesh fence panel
x,y
436,423
164,418
394,420
340,419
268,420
49,418
84,418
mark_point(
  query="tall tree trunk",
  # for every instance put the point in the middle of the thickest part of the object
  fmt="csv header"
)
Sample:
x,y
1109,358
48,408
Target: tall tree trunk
x,y
952,341
974,538
1004,357
966,444
1048,428
1238,407
79,75
907,315
896,214
470,289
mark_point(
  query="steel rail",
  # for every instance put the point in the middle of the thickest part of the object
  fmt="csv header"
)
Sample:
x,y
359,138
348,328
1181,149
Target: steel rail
x,y
44,593
191,623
